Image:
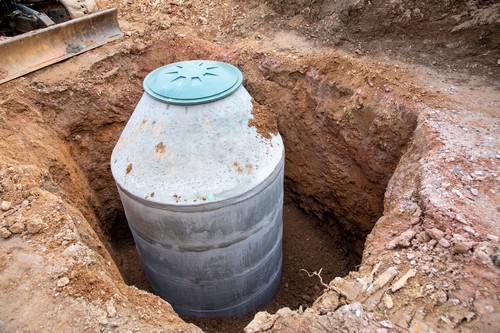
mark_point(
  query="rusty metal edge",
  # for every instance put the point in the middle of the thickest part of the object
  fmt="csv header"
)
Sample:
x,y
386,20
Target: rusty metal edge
x,y
110,32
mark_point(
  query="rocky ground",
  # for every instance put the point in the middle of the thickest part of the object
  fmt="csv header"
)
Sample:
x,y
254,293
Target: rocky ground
x,y
437,267
391,129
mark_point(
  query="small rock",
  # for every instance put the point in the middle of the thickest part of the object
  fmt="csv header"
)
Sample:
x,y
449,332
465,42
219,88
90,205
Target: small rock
x,y
106,75
432,243
349,289
17,228
388,301
62,282
111,309
444,243
34,226
306,298
262,321
429,287
459,248
460,218
6,205
382,280
470,230
403,280
4,233
474,191
423,237
489,308
440,297
415,220
326,303
492,238
458,193
435,233
461,244
402,240
446,320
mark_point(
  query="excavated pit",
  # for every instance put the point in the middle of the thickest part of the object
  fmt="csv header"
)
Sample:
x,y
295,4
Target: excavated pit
x,y
346,121
343,140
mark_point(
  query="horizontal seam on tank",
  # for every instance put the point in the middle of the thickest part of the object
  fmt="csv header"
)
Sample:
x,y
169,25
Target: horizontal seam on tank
x,y
251,268
255,228
253,296
203,207
249,234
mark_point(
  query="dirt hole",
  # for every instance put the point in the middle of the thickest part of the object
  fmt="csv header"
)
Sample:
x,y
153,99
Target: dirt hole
x,y
343,140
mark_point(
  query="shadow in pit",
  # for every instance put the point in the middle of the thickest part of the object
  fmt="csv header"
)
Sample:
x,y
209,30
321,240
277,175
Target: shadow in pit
x,y
126,256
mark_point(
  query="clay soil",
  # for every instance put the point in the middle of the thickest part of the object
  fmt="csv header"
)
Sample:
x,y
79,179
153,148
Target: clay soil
x,y
389,112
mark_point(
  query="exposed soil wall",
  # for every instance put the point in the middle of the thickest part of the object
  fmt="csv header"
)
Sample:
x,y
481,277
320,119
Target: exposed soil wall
x,y
343,137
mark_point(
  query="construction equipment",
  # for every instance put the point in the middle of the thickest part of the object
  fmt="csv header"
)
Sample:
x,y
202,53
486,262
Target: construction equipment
x,y
38,33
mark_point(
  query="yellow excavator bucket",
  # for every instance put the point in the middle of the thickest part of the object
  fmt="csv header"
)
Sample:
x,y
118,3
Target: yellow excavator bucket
x,y
31,51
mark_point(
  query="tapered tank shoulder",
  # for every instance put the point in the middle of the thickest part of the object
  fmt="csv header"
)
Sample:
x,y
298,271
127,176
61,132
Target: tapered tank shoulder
x,y
193,154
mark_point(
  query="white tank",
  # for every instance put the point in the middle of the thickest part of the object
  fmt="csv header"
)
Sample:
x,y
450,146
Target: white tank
x,y
202,191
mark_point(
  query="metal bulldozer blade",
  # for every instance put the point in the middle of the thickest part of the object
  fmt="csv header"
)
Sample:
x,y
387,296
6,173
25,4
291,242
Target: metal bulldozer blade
x,y
31,51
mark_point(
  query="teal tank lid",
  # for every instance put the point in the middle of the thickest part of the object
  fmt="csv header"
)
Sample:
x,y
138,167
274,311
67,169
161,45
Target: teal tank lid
x,y
193,82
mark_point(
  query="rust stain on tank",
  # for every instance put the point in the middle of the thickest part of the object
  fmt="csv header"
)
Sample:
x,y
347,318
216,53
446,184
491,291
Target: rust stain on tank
x,y
160,149
238,168
249,169
123,142
129,168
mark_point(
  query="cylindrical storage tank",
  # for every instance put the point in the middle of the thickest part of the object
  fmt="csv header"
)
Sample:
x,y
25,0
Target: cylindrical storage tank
x,y
202,190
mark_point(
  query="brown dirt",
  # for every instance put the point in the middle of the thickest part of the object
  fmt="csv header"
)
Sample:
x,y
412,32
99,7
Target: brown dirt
x,y
389,114
263,120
